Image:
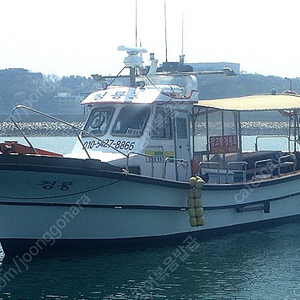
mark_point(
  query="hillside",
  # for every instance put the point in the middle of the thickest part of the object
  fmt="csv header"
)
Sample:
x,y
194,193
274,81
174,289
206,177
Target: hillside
x,y
19,86
213,87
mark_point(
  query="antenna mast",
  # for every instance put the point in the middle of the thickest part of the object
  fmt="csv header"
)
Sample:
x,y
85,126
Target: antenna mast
x,y
181,57
136,30
182,34
166,44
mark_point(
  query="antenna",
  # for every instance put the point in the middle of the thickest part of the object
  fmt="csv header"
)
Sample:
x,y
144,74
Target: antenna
x,y
166,44
182,33
181,57
136,25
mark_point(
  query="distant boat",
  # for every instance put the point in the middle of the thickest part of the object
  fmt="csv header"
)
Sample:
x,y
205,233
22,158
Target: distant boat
x,y
152,164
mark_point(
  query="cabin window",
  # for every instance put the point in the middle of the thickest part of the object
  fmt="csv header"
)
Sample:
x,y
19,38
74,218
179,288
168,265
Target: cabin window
x,y
181,125
161,126
99,120
131,121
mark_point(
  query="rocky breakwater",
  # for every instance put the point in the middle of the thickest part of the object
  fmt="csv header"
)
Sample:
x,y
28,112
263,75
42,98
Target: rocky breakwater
x,y
248,128
39,129
59,129
265,128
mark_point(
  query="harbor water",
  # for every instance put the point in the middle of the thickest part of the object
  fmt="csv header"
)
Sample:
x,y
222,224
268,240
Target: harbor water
x,y
256,264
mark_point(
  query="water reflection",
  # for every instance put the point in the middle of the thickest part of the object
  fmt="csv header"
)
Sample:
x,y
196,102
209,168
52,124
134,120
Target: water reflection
x,y
261,264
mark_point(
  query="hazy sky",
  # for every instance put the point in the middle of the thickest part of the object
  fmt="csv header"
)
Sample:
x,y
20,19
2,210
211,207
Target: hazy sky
x,y
76,37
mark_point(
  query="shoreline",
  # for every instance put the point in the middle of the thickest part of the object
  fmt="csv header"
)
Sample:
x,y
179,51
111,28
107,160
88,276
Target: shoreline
x,y
42,129
8,129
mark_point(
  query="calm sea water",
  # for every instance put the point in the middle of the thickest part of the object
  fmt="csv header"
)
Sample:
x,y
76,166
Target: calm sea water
x,y
258,264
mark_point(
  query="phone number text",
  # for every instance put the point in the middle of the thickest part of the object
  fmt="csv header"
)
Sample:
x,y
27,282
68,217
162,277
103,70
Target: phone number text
x,y
121,145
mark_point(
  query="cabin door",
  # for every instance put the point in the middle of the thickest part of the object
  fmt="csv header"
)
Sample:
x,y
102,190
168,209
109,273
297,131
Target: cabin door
x,y
182,145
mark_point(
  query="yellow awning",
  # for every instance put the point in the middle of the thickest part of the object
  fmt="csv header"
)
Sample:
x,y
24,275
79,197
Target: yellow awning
x,y
253,103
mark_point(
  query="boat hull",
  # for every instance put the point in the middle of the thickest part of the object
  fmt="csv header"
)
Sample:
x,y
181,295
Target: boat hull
x,y
31,247
49,203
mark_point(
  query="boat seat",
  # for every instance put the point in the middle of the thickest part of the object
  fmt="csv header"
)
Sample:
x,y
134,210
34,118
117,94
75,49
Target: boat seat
x,y
252,157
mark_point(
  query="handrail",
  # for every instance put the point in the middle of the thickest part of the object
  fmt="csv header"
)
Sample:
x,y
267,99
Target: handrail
x,y
181,160
243,163
167,159
263,161
75,128
272,137
142,154
213,163
280,163
244,167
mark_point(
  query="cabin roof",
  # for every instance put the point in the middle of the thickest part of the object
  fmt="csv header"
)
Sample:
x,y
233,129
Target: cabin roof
x,y
254,103
123,94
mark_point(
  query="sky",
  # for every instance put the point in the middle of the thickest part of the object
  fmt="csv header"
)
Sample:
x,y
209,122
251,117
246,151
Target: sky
x,y
81,37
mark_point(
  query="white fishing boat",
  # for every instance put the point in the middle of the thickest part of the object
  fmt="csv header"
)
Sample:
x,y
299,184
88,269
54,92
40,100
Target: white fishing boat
x,y
153,164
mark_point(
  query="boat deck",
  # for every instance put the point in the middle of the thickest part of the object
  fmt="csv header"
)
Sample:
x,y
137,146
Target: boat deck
x,y
251,165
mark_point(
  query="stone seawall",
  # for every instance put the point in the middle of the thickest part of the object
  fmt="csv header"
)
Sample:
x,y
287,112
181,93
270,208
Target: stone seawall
x,y
39,129
59,129
248,128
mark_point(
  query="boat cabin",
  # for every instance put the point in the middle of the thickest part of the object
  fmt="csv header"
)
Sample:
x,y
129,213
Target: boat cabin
x,y
146,131
157,127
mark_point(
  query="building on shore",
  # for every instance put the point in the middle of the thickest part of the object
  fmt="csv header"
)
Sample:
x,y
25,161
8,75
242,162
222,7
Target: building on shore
x,y
214,66
66,104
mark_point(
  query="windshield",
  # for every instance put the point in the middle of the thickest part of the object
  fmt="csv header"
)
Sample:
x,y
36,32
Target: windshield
x,y
131,121
99,120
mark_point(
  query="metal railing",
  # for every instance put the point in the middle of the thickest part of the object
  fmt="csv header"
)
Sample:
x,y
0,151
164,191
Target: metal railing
x,y
264,168
243,165
287,160
272,137
171,160
151,157
75,128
